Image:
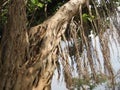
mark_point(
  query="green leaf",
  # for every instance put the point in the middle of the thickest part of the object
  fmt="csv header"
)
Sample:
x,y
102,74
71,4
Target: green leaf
x,y
40,5
90,19
49,0
85,17
33,1
93,17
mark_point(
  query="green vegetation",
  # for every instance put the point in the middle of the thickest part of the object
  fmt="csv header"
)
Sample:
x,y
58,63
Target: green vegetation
x,y
37,10
77,83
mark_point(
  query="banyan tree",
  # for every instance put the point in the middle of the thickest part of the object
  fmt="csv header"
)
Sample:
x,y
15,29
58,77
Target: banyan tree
x,y
30,55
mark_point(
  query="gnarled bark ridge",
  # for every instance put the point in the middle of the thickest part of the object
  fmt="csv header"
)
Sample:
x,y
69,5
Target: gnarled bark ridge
x,y
28,60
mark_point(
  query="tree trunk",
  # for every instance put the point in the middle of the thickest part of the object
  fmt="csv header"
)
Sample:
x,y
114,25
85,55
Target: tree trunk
x,y
14,49
28,62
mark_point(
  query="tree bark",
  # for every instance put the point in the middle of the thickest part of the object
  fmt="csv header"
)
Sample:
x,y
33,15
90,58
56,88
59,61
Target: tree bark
x,y
28,62
14,48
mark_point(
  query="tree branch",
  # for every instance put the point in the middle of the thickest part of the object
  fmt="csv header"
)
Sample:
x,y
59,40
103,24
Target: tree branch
x,y
53,29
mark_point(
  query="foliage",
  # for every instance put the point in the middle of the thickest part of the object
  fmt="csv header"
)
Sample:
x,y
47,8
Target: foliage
x,y
38,11
36,8
3,12
86,17
40,3
77,82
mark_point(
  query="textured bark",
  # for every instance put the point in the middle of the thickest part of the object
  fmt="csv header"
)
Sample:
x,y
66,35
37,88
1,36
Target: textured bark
x,y
28,63
54,28
14,48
